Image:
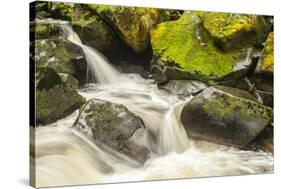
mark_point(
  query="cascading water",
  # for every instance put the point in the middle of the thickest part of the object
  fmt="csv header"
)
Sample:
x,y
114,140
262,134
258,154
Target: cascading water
x,y
66,156
98,66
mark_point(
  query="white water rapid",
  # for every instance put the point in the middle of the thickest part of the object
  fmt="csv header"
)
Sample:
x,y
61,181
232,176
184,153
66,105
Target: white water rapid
x,y
65,156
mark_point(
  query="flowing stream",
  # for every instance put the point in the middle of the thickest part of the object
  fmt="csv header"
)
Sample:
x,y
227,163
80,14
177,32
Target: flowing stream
x,y
66,156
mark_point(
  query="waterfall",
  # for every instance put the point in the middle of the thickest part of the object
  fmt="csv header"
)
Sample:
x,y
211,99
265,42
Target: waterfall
x,y
66,156
98,66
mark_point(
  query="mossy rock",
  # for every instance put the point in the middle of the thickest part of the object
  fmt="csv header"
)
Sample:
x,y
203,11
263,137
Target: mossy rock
x,y
56,103
231,30
46,78
45,30
62,11
267,61
225,116
112,125
61,55
183,49
94,32
131,24
69,80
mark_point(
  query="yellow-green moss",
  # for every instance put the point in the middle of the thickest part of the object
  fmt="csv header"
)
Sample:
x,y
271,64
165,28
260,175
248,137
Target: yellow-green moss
x,y
268,55
234,30
185,43
132,24
225,106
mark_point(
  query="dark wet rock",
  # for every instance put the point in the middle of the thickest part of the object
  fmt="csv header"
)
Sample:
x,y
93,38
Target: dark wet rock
x,y
263,85
264,141
61,55
47,78
266,64
55,99
184,87
112,125
94,32
225,116
126,67
132,24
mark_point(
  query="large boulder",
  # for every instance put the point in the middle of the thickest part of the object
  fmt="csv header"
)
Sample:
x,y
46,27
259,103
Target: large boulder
x,y
112,125
55,98
231,30
61,55
225,116
131,24
45,30
183,49
94,32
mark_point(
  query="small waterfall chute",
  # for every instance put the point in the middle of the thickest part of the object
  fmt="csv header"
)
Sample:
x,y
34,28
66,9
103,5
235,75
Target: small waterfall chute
x,y
98,67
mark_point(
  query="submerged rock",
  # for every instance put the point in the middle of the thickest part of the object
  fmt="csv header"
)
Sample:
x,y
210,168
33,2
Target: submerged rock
x,y
231,30
55,99
225,116
184,87
131,24
182,49
112,125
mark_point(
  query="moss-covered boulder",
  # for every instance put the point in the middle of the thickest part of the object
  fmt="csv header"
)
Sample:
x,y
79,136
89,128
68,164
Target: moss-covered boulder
x,y
182,49
94,32
267,61
61,10
231,30
55,99
131,24
61,55
225,116
112,125
45,30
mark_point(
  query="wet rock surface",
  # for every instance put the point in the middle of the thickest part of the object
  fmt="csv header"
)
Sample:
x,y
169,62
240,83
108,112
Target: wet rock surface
x,y
225,116
113,125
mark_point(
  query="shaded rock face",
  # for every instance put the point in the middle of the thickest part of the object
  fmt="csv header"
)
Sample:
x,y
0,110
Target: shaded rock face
x,y
231,30
112,125
264,141
266,65
55,98
94,32
45,30
132,24
183,49
225,116
61,55
184,88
